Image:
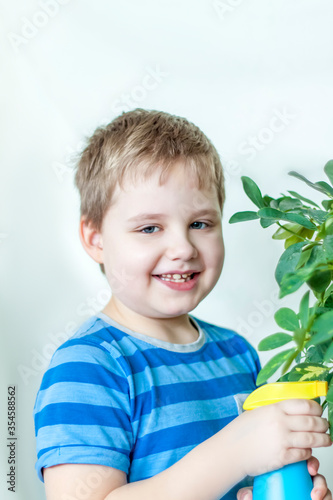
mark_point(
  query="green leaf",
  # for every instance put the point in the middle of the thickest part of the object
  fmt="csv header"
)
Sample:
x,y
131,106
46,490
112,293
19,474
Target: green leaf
x,y
329,225
252,191
303,199
319,281
288,203
290,283
308,371
292,240
304,309
267,199
277,215
329,297
270,213
320,337
288,260
298,357
329,354
316,353
328,169
300,219
328,247
318,185
289,360
299,336
266,222
318,256
273,341
282,232
329,395
323,323
307,233
316,311
324,328
318,215
243,216
273,364
284,378
326,187
274,204
287,319
327,204
330,418
305,255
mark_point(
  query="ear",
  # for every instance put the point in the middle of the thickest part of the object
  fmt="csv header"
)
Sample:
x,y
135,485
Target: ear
x,y
91,240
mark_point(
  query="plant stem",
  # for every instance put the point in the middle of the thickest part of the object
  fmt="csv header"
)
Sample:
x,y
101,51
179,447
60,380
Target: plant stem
x,y
322,299
292,232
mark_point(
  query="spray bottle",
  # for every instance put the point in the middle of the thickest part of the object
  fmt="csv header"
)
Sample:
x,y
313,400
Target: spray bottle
x,y
293,481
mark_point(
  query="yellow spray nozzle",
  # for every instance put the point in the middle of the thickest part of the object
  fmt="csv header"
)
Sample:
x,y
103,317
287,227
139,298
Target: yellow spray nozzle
x,y
279,391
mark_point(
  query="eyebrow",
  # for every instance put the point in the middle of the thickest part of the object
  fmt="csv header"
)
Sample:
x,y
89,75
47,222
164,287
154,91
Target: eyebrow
x,y
150,216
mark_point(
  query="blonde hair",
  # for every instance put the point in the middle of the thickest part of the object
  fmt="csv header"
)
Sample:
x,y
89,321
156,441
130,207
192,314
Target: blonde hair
x,y
137,143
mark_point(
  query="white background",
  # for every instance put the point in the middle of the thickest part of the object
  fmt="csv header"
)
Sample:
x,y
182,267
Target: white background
x,y
68,66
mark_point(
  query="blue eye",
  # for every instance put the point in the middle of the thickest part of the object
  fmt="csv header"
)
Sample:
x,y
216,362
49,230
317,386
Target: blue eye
x,y
148,227
144,230
199,222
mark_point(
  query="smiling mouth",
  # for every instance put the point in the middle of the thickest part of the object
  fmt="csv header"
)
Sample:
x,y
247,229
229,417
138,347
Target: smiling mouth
x,y
181,280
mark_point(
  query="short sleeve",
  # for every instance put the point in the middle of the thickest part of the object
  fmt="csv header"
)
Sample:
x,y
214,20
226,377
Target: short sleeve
x,y
82,412
249,354
255,358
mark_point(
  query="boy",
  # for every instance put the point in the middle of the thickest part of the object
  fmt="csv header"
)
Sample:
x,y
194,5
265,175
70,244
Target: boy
x,y
145,400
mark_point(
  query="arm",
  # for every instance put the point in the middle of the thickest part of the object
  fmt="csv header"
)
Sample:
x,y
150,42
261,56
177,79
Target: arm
x,y
256,442
208,471
81,481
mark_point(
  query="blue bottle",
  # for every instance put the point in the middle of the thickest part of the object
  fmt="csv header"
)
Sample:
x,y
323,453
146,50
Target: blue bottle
x,y
293,481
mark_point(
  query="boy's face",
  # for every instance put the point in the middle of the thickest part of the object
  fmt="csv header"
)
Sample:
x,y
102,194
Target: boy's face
x,y
183,238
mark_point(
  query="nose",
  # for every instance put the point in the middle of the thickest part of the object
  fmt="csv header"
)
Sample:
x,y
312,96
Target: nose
x,y
180,246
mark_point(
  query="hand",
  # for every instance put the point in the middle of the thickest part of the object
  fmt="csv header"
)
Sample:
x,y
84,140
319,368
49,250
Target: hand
x,y
319,491
271,436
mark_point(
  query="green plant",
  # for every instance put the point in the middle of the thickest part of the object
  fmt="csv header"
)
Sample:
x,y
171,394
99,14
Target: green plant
x,y
307,259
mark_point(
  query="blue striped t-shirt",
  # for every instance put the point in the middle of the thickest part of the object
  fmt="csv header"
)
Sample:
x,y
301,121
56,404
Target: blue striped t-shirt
x,y
115,397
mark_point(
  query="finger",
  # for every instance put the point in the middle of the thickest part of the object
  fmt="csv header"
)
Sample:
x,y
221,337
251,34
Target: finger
x,y
245,493
328,495
307,423
320,491
313,465
308,440
301,407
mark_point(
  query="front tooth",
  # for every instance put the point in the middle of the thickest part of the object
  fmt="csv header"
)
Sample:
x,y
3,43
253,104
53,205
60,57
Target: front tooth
x,y
176,276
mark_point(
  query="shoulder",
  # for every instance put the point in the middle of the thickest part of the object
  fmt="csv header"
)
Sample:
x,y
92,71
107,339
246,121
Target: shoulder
x,y
90,354
232,342
222,333
86,369
82,411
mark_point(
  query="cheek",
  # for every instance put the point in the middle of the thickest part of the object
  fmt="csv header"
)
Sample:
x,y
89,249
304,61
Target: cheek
x,y
214,253
145,250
